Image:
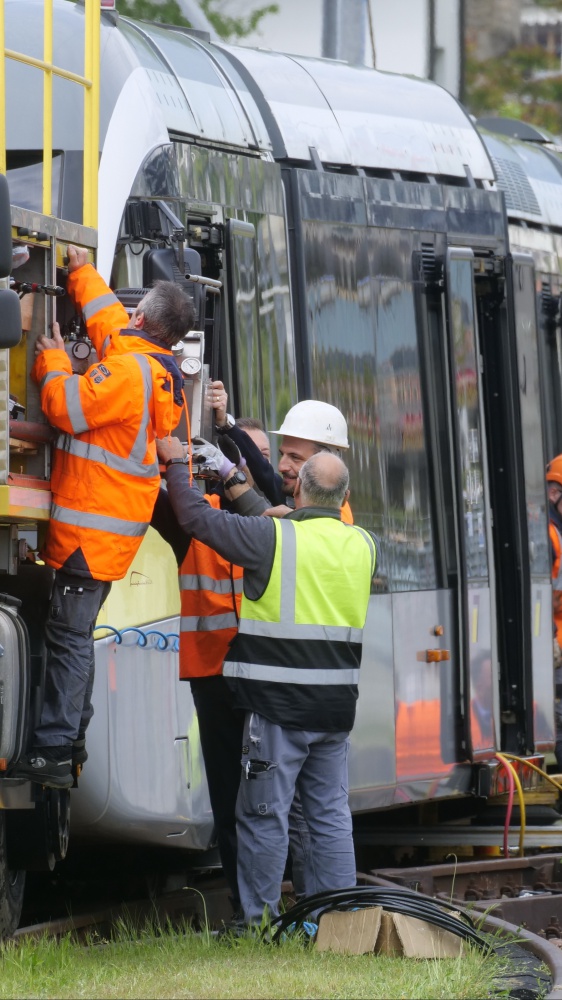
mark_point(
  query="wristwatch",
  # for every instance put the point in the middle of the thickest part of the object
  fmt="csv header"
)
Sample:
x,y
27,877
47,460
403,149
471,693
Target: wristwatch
x,y
230,421
176,461
237,479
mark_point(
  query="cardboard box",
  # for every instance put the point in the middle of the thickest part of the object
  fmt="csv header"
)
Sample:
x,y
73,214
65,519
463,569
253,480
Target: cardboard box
x,y
353,933
359,932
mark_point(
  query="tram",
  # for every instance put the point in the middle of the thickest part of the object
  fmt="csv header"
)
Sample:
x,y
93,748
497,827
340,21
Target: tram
x,y
346,235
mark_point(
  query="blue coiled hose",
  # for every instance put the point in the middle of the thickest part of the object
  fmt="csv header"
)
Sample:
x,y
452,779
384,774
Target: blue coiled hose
x,y
165,641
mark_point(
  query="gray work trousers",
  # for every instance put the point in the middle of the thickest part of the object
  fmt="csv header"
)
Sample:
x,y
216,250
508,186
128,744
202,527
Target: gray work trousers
x,y
276,762
69,639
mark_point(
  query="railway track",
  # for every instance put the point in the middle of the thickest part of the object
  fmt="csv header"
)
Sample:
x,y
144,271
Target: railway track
x,y
517,899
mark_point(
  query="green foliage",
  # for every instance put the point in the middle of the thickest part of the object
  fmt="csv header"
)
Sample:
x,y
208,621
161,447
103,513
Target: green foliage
x,y
525,83
235,27
170,12
145,10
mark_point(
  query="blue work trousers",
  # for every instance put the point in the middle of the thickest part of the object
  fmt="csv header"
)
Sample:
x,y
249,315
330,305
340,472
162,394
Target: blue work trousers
x,y
275,763
69,640
221,728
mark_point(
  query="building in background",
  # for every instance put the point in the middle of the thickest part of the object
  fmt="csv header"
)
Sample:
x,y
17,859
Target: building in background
x,y
419,37
492,29
542,26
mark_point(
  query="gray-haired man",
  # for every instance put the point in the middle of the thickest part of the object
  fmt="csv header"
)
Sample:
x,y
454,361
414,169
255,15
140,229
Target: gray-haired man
x,y
294,668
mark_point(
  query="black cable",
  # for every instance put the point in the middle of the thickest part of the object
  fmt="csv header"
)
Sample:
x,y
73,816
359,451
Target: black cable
x,y
399,900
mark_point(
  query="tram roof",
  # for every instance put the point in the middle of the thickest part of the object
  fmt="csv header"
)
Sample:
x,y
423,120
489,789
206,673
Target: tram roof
x,y
530,175
360,117
239,97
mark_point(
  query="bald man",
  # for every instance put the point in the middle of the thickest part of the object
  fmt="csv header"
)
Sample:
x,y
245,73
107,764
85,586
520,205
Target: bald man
x,y
293,668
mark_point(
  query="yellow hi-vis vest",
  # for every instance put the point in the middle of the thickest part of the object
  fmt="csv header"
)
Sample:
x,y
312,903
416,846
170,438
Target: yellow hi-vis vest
x,y
297,654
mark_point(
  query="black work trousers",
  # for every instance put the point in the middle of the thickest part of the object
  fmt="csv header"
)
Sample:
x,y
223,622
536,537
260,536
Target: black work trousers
x,y
220,731
69,640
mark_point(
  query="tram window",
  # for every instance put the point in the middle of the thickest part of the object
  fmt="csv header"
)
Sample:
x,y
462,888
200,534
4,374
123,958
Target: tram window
x,y
531,424
364,359
244,311
279,380
402,456
465,363
26,182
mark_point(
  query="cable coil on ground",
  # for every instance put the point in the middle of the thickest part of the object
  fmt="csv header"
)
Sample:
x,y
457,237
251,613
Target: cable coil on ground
x,y
399,900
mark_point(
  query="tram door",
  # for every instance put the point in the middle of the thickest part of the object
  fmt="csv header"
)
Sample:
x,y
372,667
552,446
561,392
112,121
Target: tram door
x,y
534,684
473,555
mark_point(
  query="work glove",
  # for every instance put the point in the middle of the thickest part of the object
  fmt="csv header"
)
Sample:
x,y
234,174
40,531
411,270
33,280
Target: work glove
x,y
210,460
231,450
557,654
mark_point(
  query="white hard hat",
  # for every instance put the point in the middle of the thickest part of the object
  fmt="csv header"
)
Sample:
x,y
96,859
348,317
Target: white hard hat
x,y
312,420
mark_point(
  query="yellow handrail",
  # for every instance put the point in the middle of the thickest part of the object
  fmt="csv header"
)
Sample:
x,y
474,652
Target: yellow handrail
x,y
90,81
41,64
91,112
47,106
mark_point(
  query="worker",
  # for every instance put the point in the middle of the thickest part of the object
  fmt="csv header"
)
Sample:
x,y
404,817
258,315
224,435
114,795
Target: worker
x,y
554,492
211,592
105,480
255,430
309,427
293,667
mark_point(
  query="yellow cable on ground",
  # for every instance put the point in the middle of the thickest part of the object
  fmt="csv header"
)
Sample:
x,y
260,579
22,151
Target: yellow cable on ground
x,y
520,796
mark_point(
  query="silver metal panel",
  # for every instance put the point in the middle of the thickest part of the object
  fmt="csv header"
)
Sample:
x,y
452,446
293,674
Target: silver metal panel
x,y
543,675
204,94
12,677
482,668
424,692
144,780
371,758
358,116
16,794
529,177
458,781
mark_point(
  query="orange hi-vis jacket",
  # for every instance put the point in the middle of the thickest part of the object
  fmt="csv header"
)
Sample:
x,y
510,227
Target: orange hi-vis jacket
x,y
346,515
556,579
105,476
211,592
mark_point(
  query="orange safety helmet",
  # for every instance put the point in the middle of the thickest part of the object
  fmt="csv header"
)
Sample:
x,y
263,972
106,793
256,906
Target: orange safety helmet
x,y
554,471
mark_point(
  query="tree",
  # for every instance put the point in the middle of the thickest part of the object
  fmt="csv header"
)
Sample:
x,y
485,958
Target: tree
x,y
169,12
525,83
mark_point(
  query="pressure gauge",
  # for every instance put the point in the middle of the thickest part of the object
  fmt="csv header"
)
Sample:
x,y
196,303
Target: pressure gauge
x,y
81,349
190,366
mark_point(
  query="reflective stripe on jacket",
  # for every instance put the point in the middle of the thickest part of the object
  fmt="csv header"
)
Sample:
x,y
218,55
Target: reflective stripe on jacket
x,y
211,592
297,654
105,478
556,542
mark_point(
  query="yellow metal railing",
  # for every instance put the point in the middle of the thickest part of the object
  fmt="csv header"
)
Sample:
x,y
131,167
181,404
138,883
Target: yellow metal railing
x,y
91,84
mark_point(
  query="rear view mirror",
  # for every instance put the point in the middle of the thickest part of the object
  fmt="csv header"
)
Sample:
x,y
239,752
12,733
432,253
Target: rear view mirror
x,y
5,229
10,316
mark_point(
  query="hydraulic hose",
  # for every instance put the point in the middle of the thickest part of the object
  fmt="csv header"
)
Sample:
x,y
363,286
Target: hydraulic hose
x,y
399,900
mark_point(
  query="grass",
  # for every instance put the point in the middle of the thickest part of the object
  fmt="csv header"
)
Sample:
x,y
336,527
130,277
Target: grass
x,y
172,964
